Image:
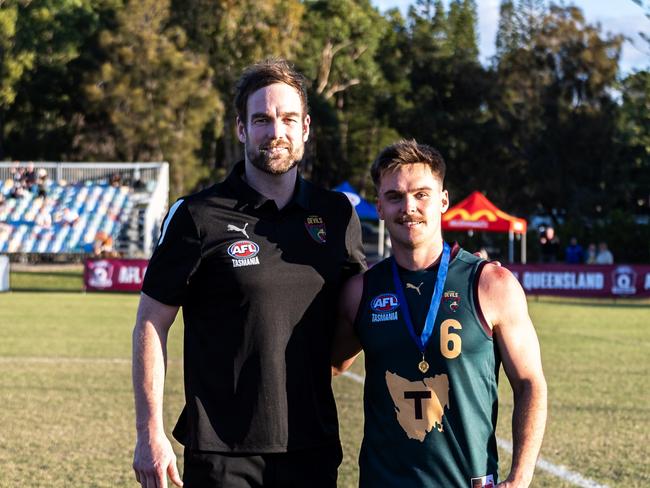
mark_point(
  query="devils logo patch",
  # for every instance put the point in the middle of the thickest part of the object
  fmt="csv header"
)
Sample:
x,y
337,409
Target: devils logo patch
x,y
451,299
316,228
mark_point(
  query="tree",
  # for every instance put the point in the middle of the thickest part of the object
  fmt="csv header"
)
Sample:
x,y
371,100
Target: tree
x,y
232,35
634,138
42,43
553,104
447,87
462,29
157,95
15,60
340,41
507,35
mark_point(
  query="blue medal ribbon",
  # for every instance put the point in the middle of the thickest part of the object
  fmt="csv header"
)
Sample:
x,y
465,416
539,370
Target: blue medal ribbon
x,y
422,340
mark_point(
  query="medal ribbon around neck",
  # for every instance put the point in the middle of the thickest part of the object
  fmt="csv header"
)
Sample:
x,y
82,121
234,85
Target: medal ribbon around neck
x,y
427,331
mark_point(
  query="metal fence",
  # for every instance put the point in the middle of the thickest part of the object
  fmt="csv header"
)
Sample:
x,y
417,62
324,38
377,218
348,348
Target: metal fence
x,y
149,179
129,173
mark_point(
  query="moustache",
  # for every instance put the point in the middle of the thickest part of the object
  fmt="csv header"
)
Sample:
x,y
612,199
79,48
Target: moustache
x,y
406,220
275,145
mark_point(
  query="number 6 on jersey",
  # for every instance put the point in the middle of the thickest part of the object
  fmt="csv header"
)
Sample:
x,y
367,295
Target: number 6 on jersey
x,y
450,342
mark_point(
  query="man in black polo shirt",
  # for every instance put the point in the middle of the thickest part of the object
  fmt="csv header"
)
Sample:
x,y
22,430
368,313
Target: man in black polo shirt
x,y
256,262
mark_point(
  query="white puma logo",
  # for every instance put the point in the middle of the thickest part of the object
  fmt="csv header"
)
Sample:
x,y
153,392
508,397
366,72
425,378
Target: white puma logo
x,y
416,288
234,228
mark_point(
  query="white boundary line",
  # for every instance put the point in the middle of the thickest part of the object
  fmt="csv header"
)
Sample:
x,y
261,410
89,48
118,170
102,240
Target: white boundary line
x,y
556,470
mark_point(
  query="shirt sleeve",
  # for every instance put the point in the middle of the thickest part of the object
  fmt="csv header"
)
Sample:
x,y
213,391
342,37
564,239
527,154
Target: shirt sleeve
x,y
175,259
356,261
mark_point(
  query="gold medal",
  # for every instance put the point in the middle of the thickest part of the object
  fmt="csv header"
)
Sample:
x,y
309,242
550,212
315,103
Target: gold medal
x,y
423,366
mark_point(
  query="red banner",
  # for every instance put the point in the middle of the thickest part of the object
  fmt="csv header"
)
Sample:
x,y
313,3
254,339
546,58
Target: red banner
x,y
114,274
605,281
608,281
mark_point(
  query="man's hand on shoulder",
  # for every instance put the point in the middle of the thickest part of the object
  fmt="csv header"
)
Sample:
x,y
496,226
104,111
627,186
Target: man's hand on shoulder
x,y
153,460
479,254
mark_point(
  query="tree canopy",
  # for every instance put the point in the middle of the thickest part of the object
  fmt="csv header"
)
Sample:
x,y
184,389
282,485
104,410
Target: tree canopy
x,y
549,126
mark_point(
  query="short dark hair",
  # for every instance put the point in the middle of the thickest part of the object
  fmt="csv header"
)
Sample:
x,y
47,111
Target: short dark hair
x,y
407,152
267,73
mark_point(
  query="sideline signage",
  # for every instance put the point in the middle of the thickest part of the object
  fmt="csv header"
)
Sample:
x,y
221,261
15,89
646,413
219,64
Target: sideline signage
x,y
4,273
604,281
114,274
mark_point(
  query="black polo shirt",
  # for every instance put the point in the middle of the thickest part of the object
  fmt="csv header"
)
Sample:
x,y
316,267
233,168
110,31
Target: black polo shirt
x,y
258,287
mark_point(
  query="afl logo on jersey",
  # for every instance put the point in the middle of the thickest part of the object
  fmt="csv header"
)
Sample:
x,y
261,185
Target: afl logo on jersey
x,y
244,253
384,307
384,303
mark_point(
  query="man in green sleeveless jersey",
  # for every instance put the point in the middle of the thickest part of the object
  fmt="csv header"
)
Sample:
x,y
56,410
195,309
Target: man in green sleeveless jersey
x,y
435,325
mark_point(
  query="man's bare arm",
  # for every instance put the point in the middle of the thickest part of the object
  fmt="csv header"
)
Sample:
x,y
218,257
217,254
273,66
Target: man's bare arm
x,y
504,304
346,346
153,458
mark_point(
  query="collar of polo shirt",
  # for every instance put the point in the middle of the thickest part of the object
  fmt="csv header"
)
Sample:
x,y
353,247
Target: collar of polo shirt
x,y
247,196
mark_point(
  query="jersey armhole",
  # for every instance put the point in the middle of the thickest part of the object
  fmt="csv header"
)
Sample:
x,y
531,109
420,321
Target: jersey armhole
x,y
477,303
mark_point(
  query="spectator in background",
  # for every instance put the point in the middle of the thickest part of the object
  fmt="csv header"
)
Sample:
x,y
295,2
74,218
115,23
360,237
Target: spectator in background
x,y
103,245
590,258
116,180
604,255
66,217
43,218
16,172
573,254
18,191
41,182
29,177
550,245
5,231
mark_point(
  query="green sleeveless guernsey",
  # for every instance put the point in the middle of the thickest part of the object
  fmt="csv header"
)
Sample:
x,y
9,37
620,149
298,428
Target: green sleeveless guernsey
x,y
433,429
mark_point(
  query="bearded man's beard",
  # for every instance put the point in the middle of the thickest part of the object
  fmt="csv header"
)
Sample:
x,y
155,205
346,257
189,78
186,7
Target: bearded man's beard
x,y
275,163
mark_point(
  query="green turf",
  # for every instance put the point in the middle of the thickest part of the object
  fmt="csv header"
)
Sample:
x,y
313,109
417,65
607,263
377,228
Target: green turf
x,y
67,408
46,280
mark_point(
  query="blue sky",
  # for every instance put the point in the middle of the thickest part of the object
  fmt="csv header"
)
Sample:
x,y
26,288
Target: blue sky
x,y
615,16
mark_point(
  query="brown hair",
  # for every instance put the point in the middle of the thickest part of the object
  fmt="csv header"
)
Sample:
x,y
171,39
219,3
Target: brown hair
x,y
407,152
267,73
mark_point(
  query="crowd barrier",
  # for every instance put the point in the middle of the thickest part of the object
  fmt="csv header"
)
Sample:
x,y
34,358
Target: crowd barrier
x,y
604,281
597,281
4,273
114,274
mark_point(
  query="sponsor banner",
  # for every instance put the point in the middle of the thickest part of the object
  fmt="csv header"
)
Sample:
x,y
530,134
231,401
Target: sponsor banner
x,y
114,274
604,281
4,273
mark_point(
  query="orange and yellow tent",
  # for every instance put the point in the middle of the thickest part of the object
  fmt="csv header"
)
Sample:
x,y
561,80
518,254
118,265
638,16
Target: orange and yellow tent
x,y
477,213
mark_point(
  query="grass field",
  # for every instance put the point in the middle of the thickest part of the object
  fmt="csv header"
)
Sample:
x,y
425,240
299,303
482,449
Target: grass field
x,y
67,410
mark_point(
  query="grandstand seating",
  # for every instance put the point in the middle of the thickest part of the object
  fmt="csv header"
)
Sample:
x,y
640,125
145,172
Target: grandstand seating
x,y
96,207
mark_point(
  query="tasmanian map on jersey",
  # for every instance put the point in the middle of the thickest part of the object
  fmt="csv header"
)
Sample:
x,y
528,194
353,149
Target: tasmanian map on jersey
x,y
419,405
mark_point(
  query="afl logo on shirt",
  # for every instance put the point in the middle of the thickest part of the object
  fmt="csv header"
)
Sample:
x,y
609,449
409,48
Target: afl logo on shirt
x,y
244,253
384,307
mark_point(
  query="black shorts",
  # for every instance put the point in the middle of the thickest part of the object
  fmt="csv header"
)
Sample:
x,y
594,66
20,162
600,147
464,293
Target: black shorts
x,y
305,468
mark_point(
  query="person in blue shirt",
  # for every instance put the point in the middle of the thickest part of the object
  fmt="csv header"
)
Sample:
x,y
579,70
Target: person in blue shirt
x,y
574,254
